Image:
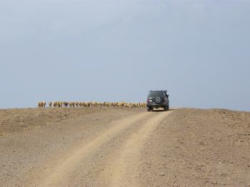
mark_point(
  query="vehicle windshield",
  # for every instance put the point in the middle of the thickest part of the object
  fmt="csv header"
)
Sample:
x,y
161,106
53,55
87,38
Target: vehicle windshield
x,y
156,94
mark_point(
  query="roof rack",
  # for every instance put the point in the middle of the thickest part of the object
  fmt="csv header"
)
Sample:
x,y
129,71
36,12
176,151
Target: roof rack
x,y
158,91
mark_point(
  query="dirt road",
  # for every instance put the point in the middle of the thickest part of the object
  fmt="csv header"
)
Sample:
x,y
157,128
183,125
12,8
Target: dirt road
x,y
120,147
107,159
118,164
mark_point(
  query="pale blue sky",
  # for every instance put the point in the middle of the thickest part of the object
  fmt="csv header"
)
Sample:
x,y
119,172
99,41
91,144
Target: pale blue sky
x,y
117,50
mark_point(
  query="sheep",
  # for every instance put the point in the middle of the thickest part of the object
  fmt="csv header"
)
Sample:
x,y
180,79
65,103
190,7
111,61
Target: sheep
x,y
91,104
42,104
72,104
65,104
50,104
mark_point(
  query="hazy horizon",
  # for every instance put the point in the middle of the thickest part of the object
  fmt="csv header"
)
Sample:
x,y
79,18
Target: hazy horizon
x,y
89,50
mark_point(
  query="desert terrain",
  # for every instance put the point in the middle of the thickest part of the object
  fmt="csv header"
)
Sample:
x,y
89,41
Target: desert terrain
x,y
124,147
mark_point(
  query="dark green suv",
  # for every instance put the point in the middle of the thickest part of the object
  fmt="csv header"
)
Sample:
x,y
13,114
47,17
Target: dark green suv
x,y
158,99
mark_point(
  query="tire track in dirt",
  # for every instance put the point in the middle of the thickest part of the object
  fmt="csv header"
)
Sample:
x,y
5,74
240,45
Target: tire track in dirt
x,y
125,168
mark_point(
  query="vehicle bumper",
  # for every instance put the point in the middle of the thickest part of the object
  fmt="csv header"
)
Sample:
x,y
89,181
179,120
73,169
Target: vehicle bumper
x,y
156,105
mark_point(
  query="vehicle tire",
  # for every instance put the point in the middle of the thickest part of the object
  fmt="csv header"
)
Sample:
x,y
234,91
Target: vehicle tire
x,y
166,108
149,109
158,100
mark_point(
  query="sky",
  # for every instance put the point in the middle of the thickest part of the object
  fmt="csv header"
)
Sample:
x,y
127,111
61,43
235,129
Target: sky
x,y
118,50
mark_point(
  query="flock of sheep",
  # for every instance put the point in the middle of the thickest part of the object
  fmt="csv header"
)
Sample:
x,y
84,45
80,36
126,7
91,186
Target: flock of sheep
x,y
59,104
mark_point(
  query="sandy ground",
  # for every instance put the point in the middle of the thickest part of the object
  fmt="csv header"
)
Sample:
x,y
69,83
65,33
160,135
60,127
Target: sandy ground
x,y
121,147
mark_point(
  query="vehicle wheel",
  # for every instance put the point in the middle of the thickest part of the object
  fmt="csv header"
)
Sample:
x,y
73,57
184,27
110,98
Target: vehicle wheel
x,y
149,109
166,108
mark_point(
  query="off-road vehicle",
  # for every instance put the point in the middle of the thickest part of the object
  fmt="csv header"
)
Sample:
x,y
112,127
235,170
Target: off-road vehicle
x,y
158,99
